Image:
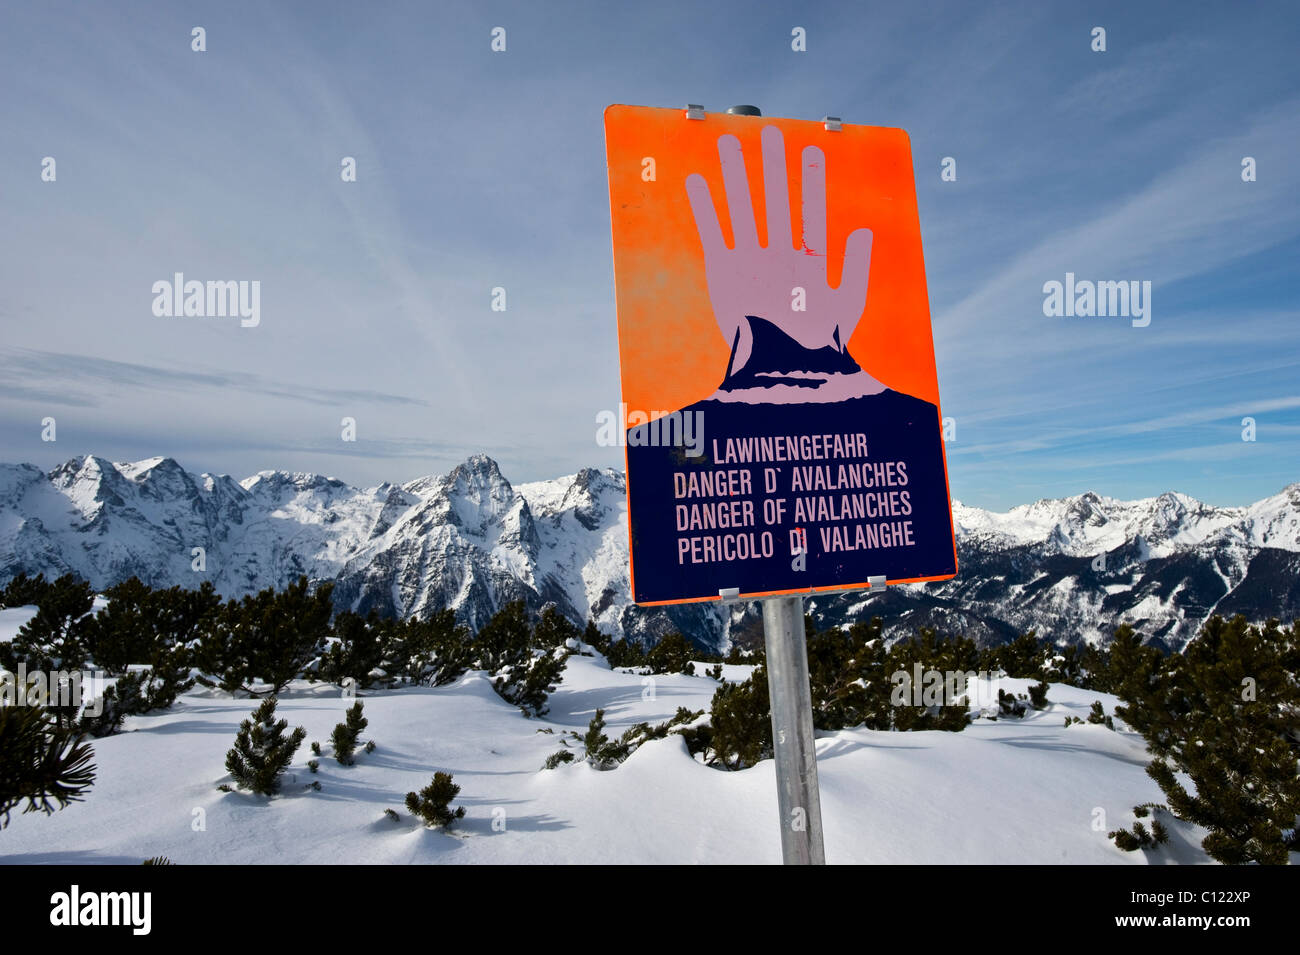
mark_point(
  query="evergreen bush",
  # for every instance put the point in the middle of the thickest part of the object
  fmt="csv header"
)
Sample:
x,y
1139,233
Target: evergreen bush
x,y
345,735
433,802
262,751
40,761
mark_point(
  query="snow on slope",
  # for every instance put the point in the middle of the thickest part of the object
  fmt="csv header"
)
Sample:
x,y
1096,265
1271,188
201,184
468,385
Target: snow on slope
x,y
1010,791
582,524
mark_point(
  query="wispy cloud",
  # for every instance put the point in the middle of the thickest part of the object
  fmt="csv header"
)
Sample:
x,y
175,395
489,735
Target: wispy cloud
x,y
28,370
478,170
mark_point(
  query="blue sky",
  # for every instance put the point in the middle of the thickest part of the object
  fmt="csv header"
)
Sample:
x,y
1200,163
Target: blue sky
x,y
479,169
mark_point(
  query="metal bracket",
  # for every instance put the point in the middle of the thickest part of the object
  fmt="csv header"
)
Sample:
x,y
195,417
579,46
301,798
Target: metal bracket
x,y
833,124
694,111
875,585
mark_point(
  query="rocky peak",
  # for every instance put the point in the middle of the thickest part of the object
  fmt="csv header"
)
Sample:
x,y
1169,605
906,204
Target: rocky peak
x,y
470,541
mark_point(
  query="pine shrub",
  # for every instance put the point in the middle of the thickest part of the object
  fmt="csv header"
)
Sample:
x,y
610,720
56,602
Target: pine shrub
x,y
741,722
262,751
1008,705
433,802
268,636
40,761
55,637
1022,658
593,638
1130,840
355,650
432,651
624,653
553,630
125,698
672,654
558,757
603,753
600,751
1097,716
505,640
23,591
1225,715
641,733
528,683
1038,696
345,735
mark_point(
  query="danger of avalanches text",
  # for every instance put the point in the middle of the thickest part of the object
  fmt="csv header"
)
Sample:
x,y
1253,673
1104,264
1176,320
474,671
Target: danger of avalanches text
x,y
855,504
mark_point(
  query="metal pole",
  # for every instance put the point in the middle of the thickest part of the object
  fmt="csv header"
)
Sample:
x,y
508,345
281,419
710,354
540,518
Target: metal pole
x,y
792,727
792,732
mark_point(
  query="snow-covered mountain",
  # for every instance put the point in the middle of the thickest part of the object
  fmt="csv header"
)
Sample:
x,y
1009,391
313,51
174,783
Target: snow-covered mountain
x,y
1069,568
1073,568
467,539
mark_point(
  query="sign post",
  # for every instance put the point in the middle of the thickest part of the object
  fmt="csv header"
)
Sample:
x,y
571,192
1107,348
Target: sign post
x,y
797,796
781,422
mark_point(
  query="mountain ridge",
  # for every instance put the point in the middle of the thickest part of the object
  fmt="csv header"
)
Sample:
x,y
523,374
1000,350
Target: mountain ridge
x,y
1070,568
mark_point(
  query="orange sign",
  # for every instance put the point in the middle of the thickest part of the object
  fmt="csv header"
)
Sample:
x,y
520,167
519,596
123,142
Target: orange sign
x,y
780,400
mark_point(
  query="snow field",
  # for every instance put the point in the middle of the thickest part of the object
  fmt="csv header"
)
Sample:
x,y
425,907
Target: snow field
x,y
1006,791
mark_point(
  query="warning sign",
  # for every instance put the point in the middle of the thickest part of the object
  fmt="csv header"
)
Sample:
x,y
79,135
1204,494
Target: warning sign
x,y
781,405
